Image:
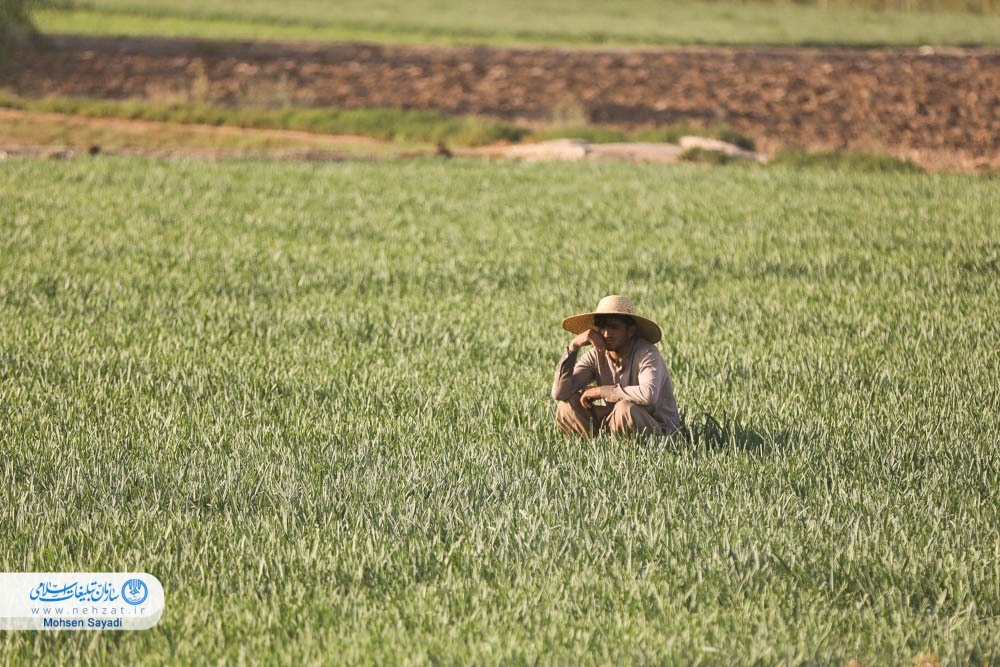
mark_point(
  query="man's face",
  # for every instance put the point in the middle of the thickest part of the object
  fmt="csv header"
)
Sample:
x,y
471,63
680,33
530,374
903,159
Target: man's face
x,y
617,333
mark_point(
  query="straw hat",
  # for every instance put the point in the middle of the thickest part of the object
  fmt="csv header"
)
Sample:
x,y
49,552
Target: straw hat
x,y
614,305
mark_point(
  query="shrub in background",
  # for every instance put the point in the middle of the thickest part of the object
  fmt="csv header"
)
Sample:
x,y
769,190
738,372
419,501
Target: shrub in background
x,y
15,24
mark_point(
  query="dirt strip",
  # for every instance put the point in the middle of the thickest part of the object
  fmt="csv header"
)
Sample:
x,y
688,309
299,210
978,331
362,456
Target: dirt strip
x,y
128,128
938,108
59,135
52,135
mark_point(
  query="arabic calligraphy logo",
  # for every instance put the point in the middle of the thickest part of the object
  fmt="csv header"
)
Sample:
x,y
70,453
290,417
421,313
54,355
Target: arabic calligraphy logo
x,y
134,591
92,592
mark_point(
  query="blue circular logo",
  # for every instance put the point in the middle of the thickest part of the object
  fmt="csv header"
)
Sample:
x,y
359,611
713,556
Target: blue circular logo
x,y
134,591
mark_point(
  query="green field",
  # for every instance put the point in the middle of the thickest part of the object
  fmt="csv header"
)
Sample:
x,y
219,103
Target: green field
x,y
549,22
313,401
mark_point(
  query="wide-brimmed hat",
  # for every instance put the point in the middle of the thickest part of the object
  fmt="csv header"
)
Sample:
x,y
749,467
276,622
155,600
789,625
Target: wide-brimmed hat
x,y
614,305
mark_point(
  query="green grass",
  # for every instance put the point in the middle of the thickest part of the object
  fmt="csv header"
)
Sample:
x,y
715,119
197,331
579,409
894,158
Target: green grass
x,y
313,401
551,22
704,156
851,160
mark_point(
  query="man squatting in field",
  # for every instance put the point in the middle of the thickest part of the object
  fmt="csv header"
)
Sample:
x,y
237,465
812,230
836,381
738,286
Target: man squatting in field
x,y
624,370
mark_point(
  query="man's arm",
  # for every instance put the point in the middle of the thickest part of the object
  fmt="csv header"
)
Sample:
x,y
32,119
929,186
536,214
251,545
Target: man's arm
x,y
652,372
572,376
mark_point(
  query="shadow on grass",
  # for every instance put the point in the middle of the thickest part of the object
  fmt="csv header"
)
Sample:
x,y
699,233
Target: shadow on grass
x,y
730,433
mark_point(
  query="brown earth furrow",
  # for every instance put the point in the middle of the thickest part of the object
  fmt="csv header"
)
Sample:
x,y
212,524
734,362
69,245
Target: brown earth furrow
x,y
940,108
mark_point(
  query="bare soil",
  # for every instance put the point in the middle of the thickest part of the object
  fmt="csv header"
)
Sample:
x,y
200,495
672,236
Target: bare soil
x,y
940,108
26,129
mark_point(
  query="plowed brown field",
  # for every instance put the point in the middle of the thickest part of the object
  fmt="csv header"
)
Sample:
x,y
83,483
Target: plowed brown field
x,y
938,108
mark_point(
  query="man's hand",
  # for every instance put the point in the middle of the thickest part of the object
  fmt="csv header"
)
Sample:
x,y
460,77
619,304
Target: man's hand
x,y
588,337
589,394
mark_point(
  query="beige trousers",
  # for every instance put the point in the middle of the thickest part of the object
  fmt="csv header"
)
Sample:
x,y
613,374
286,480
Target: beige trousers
x,y
620,418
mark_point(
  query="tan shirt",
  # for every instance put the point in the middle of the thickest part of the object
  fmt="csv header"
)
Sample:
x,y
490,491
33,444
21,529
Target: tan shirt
x,y
642,378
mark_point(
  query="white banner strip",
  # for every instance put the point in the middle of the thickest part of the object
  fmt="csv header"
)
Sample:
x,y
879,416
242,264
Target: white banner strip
x,y
79,600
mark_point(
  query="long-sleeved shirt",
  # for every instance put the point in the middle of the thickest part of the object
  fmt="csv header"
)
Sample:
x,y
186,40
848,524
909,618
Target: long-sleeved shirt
x,y
641,378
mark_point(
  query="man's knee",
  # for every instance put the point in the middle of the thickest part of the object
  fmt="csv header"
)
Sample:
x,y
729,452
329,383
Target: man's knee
x,y
627,417
570,421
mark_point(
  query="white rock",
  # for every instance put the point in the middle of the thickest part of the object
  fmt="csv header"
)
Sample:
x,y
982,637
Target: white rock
x,y
637,152
558,149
